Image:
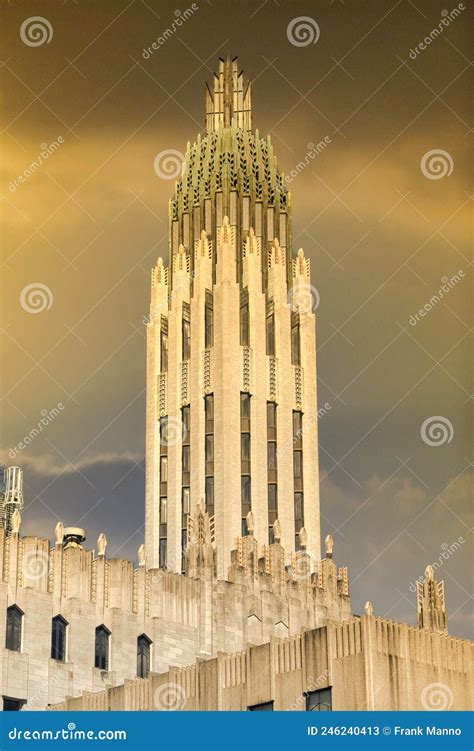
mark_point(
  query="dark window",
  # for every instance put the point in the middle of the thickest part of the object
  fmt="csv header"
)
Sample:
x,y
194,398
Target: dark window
x,y
13,631
163,435
163,511
271,415
245,447
186,459
58,638
209,406
244,320
295,340
244,406
245,494
272,455
208,320
210,494
162,553
270,332
299,510
186,419
265,707
298,464
164,351
102,635
143,656
297,425
186,333
272,499
12,705
209,448
319,701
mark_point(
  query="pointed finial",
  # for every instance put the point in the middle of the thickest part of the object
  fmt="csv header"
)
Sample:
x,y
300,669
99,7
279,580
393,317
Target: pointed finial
x,y
429,573
303,535
16,521
101,545
141,556
225,221
276,530
368,608
250,523
329,542
59,533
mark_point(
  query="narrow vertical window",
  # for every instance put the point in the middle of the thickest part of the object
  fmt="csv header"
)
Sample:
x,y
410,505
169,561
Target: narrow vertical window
x,y
186,332
209,451
272,468
58,638
245,460
143,655
298,484
185,480
102,636
14,627
163,515
244,318
209,320
295,339
270,329
164,345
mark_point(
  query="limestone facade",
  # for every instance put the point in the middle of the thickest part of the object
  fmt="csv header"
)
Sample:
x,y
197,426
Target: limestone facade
x,y
185,617
367,663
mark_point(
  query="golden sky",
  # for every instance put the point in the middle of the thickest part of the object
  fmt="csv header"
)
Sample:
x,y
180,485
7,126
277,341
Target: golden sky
x,y
90,221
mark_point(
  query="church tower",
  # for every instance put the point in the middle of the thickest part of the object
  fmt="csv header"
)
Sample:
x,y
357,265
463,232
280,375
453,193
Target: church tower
x,y
231,351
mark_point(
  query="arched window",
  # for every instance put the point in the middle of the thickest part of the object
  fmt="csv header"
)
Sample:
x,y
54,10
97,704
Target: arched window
x,y
143,655
102,635
58,638
13,631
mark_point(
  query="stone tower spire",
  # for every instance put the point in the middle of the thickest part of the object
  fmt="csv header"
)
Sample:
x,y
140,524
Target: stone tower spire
x,y
430,605
231,351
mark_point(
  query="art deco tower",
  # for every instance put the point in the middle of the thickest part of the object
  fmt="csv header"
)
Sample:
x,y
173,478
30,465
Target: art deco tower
x,y
231,353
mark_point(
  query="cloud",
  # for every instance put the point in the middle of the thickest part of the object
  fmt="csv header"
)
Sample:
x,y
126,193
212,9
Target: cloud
x,y
49,466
